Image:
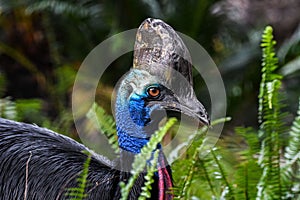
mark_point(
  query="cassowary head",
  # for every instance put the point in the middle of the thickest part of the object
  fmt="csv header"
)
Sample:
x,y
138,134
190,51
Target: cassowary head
x,y
160,82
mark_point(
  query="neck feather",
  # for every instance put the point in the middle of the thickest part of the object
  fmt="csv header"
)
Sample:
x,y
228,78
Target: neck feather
x,y
132,118
131,143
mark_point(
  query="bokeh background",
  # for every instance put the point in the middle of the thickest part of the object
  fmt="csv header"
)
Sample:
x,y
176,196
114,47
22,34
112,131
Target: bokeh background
x,y
43,43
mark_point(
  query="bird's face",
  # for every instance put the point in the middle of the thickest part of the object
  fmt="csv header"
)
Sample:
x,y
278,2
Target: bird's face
x,y
149,98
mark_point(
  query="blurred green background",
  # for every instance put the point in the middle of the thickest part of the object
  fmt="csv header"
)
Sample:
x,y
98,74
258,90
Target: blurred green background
x,y
43,43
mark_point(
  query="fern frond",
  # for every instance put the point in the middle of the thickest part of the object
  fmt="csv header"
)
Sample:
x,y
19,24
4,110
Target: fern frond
x,y
291,171
149,177
247,170
8,109
251,138
60,7
188,178
78,193
227,192
105,124
293,147
270,119
269,65
198,179
195,161
141,159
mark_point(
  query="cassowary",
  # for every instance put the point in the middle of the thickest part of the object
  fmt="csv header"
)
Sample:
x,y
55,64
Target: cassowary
x,y
36,163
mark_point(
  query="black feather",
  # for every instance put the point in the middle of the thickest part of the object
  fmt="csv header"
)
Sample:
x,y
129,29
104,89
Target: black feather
x,y
54,163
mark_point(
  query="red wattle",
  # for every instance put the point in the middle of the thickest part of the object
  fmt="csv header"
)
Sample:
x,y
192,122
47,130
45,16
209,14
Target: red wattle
x,y
164,180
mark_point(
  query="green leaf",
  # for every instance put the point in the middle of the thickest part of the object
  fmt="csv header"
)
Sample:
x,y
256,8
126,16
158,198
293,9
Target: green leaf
x,y
291,170
146,189
271,122
78,193
105,124
141,159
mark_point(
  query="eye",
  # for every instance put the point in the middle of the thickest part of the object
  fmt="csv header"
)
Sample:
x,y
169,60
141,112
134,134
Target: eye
x,y
153,92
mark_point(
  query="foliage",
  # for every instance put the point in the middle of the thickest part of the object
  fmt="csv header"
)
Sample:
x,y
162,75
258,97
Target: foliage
x,y
105,124
61,7
252,168
193,167
248,170
140,160
291,169
7,109
270,116
151,169
21,109
79,193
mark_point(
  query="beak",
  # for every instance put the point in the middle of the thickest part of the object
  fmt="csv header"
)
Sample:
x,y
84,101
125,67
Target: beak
x,y
190,107
193,109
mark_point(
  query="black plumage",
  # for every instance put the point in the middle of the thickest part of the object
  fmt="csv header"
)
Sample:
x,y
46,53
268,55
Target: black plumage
x,y
53,163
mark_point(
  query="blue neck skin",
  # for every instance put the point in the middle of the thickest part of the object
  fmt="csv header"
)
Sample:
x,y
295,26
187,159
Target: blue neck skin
x,y
130,143
132,119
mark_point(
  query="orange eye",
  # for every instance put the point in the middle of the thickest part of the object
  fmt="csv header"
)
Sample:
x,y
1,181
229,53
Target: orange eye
x,y
153,91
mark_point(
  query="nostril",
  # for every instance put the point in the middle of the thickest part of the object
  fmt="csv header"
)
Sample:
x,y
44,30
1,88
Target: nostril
x,y
204,117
